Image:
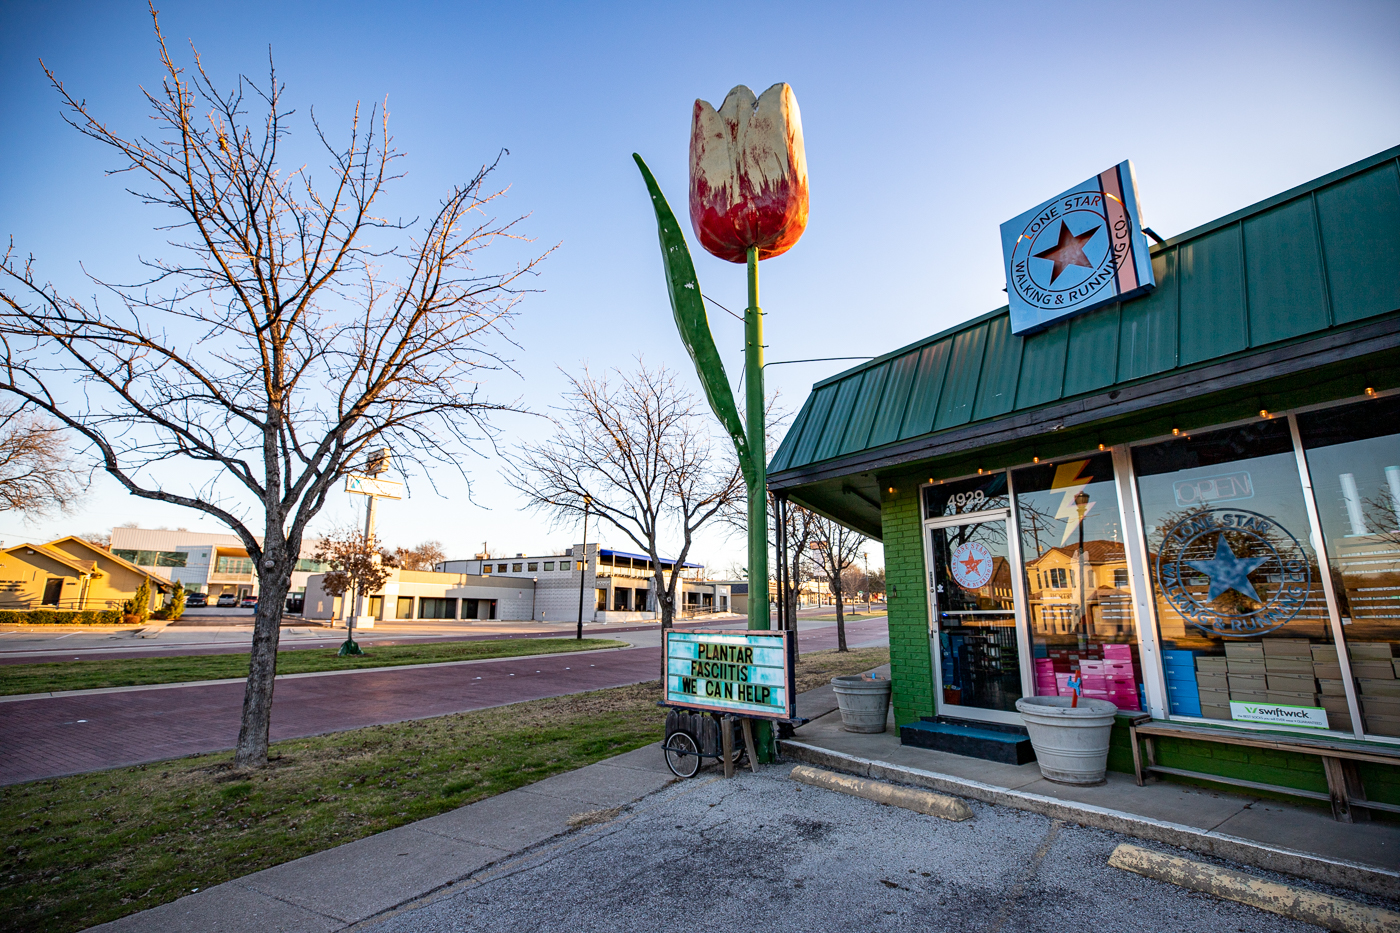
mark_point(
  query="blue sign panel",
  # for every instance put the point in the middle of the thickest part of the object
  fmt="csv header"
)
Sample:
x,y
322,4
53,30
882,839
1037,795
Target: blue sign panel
x,y
1079,250
743,673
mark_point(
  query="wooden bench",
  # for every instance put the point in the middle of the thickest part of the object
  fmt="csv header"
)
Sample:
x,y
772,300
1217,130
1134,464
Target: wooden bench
x,y
1339,758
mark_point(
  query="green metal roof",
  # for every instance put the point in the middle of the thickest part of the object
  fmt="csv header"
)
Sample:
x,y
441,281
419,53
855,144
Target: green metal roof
x,y
1321,257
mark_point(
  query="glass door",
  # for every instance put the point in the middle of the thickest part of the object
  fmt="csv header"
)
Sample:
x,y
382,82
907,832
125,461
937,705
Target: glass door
x,y
973,612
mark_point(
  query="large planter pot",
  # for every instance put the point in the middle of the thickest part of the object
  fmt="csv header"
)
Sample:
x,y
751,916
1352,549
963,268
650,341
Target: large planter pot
x,y
864,702
1071,743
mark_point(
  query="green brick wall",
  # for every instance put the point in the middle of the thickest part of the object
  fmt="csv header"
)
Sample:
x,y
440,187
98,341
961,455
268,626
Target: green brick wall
x,y
910,665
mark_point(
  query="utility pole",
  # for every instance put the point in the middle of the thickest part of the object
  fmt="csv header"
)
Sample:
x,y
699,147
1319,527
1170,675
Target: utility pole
x,y
582,566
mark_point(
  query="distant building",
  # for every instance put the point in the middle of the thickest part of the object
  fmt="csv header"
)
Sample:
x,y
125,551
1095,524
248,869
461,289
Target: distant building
x,y
205,563
69,573
617,586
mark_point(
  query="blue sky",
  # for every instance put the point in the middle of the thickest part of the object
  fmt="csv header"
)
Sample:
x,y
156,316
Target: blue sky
x,y
927,126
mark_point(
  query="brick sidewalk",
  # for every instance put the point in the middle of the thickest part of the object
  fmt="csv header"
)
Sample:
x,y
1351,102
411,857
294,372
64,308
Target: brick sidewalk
x,y
47,738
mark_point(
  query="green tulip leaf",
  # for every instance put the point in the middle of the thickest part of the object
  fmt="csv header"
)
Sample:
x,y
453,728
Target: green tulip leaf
x,y
688,306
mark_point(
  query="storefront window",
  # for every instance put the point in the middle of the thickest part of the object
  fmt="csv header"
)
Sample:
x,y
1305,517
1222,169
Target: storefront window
x,y
1240,607
1354,462
1076,572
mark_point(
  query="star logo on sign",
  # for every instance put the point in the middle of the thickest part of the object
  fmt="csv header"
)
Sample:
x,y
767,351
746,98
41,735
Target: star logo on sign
x,y
1228,572
971,563
1069,251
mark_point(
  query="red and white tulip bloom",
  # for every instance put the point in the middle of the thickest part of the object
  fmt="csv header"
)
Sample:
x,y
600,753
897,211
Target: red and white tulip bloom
x,y
748,174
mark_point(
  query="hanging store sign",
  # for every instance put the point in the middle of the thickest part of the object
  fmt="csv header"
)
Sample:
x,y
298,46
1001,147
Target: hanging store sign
x,y
1080,250
743,673
1233,573
1313,717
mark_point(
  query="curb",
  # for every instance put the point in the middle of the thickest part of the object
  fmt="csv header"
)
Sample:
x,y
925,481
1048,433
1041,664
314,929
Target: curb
x,y
1354,875
1324,910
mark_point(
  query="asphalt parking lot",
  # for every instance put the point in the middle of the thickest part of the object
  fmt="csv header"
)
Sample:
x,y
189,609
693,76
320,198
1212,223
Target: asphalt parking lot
x,y
763,852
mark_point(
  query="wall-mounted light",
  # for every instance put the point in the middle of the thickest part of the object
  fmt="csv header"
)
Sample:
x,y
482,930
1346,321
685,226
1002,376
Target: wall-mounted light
x,y
891,490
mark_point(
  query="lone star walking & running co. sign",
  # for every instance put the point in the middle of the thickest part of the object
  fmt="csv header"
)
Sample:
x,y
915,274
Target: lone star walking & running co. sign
x,y
743,673
1077,251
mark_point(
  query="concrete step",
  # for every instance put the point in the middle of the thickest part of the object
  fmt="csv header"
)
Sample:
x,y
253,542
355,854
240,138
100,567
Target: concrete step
x,y
975,740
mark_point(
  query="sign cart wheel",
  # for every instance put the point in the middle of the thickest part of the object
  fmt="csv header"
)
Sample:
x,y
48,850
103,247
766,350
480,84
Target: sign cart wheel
x,y
682,755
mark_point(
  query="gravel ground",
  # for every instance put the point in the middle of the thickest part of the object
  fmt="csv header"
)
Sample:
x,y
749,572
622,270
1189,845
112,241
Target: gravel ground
x,y
765,852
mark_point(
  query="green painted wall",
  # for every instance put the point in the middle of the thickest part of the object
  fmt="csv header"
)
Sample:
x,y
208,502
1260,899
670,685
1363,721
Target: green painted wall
x,y
910,665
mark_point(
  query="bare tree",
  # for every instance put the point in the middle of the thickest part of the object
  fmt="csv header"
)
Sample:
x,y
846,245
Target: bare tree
x,y
36,474
292,331
359,567
800,530
834,550
639,452
425,556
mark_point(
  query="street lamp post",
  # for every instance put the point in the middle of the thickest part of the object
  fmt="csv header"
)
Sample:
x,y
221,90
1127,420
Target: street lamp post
x,y
1081,504
582,566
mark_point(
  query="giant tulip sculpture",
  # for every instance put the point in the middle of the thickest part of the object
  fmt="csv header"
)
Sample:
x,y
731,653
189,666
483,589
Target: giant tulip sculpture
x,y
748,202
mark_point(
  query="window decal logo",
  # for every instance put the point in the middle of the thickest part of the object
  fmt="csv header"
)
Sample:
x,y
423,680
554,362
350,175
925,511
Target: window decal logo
x,y
972,565
1233,573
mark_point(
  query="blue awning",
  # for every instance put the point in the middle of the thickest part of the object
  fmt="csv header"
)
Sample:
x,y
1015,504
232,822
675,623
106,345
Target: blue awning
x,y
665,561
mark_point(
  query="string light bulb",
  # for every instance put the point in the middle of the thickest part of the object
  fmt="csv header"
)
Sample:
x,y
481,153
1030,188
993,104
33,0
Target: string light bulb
x,y
1176,431
1263,413
1035,459
1370,391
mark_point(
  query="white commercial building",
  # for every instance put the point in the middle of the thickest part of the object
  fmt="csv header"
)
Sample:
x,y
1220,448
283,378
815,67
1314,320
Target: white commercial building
x,y
204,563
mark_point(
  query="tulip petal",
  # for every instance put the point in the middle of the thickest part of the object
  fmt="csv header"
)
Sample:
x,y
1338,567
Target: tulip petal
x,y
748,173
688,306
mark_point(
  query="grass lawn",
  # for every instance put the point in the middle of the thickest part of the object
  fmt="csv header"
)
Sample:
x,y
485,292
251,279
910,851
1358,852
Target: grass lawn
x,y
83,850
127,672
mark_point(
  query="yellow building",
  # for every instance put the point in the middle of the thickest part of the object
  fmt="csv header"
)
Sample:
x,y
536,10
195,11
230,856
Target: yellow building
x,y
70,573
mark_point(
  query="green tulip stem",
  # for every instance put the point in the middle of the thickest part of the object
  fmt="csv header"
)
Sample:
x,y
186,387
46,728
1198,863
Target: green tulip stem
x,y
757,435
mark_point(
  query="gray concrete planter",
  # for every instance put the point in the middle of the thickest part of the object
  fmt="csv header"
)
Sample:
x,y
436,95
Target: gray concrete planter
x,y
864,703
1071,744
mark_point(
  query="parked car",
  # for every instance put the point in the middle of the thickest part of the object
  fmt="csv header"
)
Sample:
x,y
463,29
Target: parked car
x,y
196,600
228,600
248,602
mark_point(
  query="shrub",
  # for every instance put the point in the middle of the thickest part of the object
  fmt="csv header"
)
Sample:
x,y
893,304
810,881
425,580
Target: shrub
x,y
60,617
140,604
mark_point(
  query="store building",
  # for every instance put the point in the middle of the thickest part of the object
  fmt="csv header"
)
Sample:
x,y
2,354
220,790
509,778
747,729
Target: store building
x,y
1192,497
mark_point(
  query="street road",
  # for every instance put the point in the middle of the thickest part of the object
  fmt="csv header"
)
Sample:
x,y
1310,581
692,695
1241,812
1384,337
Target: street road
x,y
764,852
51,737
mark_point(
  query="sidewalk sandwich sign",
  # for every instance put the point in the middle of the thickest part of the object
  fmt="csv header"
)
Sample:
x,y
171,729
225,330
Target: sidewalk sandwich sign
x,y
1080,250
742,673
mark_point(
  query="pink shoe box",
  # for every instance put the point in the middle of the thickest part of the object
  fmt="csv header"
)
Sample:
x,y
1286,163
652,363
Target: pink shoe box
x,y
1091,667
1096,694
1118,667
1044,664
1096,683
1118,652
